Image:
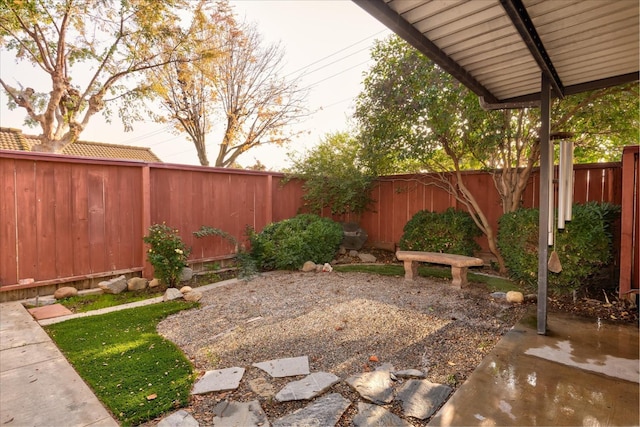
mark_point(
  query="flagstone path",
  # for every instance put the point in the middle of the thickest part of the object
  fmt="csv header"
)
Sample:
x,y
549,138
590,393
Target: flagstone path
x,y
419,397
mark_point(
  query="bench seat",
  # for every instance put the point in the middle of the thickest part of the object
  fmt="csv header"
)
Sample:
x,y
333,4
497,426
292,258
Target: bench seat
x,y
459,264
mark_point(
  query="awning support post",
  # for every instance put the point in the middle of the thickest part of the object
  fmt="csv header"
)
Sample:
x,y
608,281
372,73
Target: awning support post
x,y
546,178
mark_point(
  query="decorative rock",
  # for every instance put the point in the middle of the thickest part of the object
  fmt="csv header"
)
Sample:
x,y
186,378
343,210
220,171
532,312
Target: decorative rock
x,y
409,373
421,398
218,380
171,294
307,388
531,297
353,237
353,253
180,418
137,284
376,416
367,257
327,268
515,297
325,411
154,283
186,274
239,414
65,292
114,286
192,296
498,295
342,250
309,266
375,386
262,388
287,367
186,289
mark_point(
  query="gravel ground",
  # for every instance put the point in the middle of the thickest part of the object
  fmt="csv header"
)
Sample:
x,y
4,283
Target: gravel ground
x,y
338,320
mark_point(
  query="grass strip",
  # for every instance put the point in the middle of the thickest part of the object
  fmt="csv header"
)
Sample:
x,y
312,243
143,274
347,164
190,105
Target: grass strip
x,y
134,372
84,303
495,284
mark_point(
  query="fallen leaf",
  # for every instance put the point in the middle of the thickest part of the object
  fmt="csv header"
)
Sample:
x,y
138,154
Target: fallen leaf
x,y
152,396
451,363
374,358
366,368
338,328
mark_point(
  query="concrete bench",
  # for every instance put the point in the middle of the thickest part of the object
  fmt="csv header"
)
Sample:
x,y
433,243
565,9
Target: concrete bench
x,y
459,264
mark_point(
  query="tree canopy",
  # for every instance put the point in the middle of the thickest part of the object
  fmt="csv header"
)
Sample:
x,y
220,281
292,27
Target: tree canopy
x,y
111,43
413,116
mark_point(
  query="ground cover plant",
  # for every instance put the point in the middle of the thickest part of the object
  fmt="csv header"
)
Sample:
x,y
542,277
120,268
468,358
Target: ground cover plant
x,y
135,372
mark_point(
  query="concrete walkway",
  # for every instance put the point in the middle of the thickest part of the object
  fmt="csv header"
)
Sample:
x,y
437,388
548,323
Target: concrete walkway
x,y
38,386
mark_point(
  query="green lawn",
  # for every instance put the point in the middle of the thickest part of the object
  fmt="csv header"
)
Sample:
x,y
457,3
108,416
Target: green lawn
x,y
135,372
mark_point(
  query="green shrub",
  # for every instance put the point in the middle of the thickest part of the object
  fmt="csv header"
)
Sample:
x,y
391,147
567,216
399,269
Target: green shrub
x,y
450,232
167,253
287,244
583,247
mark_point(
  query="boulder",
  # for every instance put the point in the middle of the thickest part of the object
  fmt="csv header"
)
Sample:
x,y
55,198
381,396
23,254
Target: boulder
x,y
186,274
65,292
192,296
353,237
171,294
515,297
309,266
137,283
114,286
186,289
366,257
154,283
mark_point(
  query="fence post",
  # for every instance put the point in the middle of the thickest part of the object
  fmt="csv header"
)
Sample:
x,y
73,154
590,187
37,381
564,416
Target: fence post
x,y
147,269
269,205
629,221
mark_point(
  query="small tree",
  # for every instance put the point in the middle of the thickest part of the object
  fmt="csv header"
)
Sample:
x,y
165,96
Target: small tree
x,y
115,41
167,253
334,176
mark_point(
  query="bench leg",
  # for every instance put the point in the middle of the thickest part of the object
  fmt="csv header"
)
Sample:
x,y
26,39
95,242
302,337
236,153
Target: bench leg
x,y
459,275
410,270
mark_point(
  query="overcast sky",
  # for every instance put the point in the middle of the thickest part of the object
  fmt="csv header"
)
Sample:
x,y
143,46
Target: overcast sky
x,y
329,40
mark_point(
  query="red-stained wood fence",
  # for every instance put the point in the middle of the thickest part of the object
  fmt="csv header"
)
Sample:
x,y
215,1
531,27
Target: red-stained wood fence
x,y
65,219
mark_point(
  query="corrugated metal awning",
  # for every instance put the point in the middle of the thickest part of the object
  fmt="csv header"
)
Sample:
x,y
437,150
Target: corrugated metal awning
x,y
498,48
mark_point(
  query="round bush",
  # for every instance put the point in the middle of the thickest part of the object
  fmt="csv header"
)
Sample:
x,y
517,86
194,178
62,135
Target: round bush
x,y
450,232
583,247
288,244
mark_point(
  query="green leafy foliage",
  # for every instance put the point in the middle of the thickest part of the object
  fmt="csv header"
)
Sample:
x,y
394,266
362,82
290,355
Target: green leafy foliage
x,y
451,232
334,177
288,244
167,253
583,247
124,360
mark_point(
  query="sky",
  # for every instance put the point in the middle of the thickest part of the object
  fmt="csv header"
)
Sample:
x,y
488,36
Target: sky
x,y
328,41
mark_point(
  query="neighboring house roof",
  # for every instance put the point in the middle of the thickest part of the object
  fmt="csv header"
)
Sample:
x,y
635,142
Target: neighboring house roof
x,y
14,139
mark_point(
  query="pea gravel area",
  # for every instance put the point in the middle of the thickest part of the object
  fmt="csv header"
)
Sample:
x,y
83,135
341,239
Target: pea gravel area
x,y
346,323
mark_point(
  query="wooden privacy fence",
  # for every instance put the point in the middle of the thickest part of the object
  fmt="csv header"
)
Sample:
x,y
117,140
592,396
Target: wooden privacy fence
x,y
65,219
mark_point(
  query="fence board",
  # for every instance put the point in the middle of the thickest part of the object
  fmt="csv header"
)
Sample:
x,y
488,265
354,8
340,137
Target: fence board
x,y
64,251
80,220
8,226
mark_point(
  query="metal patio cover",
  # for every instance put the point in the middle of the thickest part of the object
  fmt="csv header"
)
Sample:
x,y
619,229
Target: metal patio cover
x,y
499,48
522,53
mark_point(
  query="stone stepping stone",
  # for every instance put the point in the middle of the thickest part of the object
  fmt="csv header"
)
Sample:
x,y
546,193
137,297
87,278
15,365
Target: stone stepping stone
x,y
239,414
49,311
289,367
421,398
376,416
180,418
323,412
376,386
219,380
307,388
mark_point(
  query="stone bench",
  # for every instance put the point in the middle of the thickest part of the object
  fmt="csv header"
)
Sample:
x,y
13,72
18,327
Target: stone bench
x,y
459,264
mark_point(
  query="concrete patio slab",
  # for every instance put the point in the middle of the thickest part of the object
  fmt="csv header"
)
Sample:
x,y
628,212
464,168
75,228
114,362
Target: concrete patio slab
x,y
240,414
49,311
535,380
